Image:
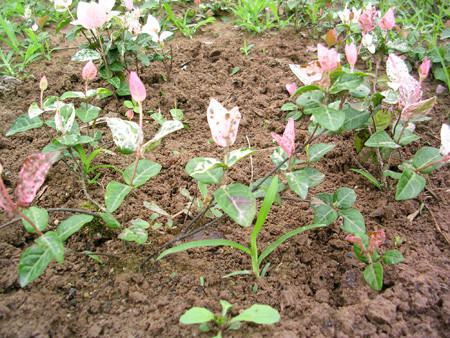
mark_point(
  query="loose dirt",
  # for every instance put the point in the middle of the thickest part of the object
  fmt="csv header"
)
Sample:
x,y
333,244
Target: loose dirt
x,y
314,280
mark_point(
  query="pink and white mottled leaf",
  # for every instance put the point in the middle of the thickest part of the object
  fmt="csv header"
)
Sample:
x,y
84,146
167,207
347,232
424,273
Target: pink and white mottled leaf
x,y
418,108
309,74
287,141
445,140
32,176
396,71
224,124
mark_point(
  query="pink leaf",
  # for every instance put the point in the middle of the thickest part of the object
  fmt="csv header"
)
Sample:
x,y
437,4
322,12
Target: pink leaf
x,y
376,239
367,20
445,140
291,88
137,88
287,141
224,124
309,74
351,53
418,109
328,58
89,71
424,68
387,22
90,15
32,176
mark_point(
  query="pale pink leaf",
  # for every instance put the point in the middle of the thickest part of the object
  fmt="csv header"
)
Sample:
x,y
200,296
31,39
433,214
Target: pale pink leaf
x,y
32,176
307,75
224,124
418,108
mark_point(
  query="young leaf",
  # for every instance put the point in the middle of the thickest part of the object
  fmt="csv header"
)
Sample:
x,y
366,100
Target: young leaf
x,y
115,194
38,216
381,139
167,128
72,225
72,95
369,177
424,157
373,275
84,55
32,176
317,151
203,243
87,112
137,232
146,169
24,123
238,202
259,314
34,110
237,155
33,262
344,198
126,134
283,238
353,222
196,315
409,185
329,118
265,208
110,221
393,257
205,170
51,241
226,306
152,206
301,180
324,214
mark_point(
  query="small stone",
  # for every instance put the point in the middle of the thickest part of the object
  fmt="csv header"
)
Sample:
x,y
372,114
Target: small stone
x,y
381,311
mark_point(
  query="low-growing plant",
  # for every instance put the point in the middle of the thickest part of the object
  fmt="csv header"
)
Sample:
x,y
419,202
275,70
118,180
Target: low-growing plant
x,y
257,314
257,15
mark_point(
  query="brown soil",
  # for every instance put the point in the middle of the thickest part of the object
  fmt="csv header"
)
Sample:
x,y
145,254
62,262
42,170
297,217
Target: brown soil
x,y
314,280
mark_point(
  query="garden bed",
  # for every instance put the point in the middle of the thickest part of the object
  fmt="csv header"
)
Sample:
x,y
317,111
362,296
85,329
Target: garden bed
x,y
314,280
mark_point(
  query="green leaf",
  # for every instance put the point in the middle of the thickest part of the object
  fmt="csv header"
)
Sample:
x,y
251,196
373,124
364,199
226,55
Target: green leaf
x,y
33,262
205,170
110,221
72,95
152,206
167,128
373,275
310,99
392,174
38,216
392,257
424,157
103,93
283,238
201,244
329,118
84,55
324,214
381,139
235,70
305,89
344,198
146,169
278,156
368,176
265,207
177,114
34,110
289,106
301,180
353,222
87,112
71,225
126,134
258,314
51,241
24,123
409,186
317,151
382,119
137,232
346,81
238,202
407,136
196,315
354,118
237,155
115,194
360,92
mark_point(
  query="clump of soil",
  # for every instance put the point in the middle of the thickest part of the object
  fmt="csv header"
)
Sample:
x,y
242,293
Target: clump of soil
x,y
314,280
